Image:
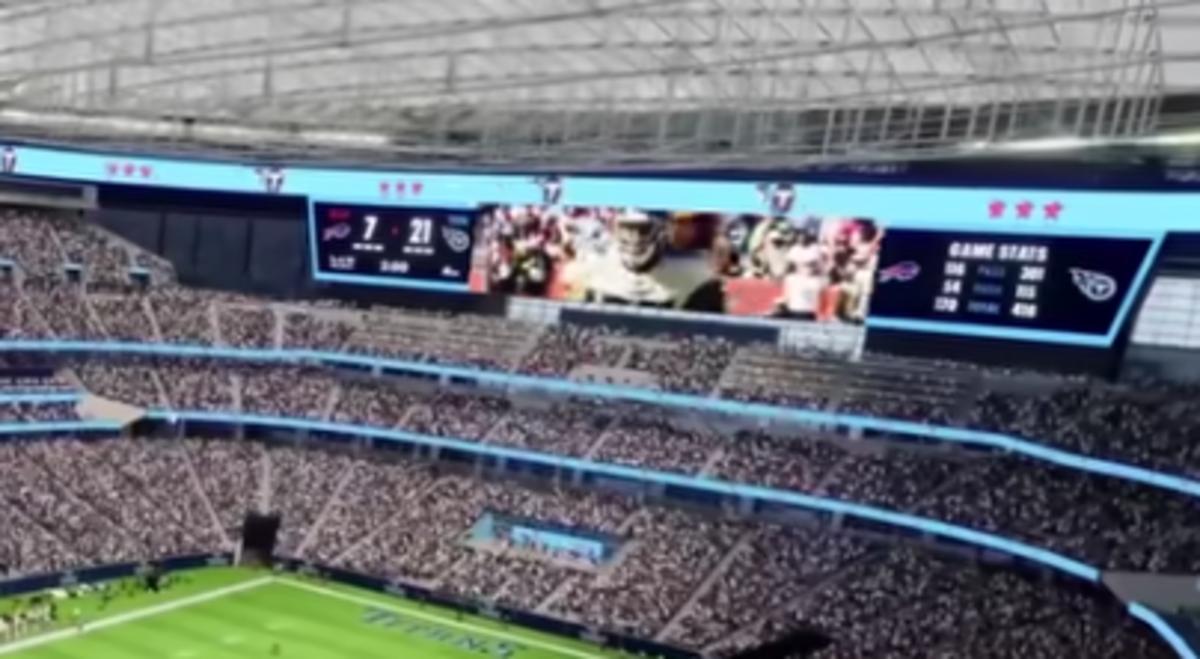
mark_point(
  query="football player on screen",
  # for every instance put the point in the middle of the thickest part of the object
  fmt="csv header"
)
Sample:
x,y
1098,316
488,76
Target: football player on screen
x,y
638,270
519,263
862,247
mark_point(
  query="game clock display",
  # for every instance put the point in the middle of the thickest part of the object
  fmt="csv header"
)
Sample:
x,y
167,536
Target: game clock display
x,y
1069,284
428,244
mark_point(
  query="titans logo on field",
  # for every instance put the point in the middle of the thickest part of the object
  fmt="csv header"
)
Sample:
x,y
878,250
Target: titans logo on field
x,y
1095,286
8,160
272,178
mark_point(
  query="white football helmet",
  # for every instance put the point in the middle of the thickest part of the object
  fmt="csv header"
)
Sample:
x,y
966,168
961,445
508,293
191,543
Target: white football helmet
x,y
640,239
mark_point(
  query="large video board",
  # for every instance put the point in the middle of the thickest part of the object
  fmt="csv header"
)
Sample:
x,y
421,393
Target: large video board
x,y
1000,280
745,274
807,268
402,246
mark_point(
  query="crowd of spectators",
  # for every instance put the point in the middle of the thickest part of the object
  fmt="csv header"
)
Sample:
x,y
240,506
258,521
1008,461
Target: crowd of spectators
x,y
286,391
690,578
900,602
102,502
1147,424
1104,521
647,441
132,381
41,412
1095,418
243,327
1092,418
562,428
696,580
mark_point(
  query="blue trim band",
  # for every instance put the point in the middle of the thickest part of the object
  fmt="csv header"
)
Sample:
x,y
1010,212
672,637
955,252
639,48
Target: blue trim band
x,y
711,485
40,398
46,427
988,331
964,436
393,282
1163,629
1083,212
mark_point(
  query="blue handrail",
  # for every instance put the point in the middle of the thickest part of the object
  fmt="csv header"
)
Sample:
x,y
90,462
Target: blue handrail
x,y
992,440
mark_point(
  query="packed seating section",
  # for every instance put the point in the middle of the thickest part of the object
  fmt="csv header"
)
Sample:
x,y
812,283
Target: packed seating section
x,y
703,582
1148,424
690,578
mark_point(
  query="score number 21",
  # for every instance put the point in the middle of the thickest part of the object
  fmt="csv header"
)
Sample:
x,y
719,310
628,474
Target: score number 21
x,y
420,229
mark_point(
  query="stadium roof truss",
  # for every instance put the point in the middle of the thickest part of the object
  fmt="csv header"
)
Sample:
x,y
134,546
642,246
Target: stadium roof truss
x,y
585,82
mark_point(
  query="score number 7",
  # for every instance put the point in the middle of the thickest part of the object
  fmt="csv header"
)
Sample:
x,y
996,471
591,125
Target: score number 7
x,y
420,230
372,222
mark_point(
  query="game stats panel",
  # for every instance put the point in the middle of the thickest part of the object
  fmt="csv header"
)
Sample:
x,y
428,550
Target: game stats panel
x,y
1059,283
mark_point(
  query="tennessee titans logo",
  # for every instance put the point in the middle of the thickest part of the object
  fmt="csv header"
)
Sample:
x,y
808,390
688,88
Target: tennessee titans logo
x,y
336,232
8,160
457,239
779,197
272,178
901,272
1095,286
552,189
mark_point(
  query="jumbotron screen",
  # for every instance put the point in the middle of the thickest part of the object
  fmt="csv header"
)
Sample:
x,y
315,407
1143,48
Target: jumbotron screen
x,y
383,242
1070,284
808,268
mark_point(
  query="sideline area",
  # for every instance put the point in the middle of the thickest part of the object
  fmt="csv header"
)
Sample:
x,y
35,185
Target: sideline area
x,y
237,613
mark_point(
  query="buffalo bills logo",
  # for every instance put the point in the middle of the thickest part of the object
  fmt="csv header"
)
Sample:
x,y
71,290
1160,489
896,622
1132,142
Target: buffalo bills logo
x,y
457,239
1095,286
272,178
338,231
8,160
779,197
901,272
552,189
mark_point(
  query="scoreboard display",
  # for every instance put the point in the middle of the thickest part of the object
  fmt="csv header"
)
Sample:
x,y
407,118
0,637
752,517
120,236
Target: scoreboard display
x,y
391,244
1055,283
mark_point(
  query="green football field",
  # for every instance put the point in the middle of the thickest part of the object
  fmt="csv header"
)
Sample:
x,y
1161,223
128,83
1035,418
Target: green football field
x,y
231,613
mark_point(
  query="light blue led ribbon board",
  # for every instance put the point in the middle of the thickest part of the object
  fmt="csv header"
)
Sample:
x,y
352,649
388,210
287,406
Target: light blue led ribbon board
x,y
1001,286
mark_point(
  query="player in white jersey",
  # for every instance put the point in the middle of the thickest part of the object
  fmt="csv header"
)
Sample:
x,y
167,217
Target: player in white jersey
x,y
863,259
637,270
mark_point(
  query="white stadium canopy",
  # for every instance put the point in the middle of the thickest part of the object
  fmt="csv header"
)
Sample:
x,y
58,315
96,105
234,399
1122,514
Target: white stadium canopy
x,y
597,82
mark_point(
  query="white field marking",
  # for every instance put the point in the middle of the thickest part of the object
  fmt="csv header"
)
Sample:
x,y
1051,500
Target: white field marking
x,y
120,619
481,631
